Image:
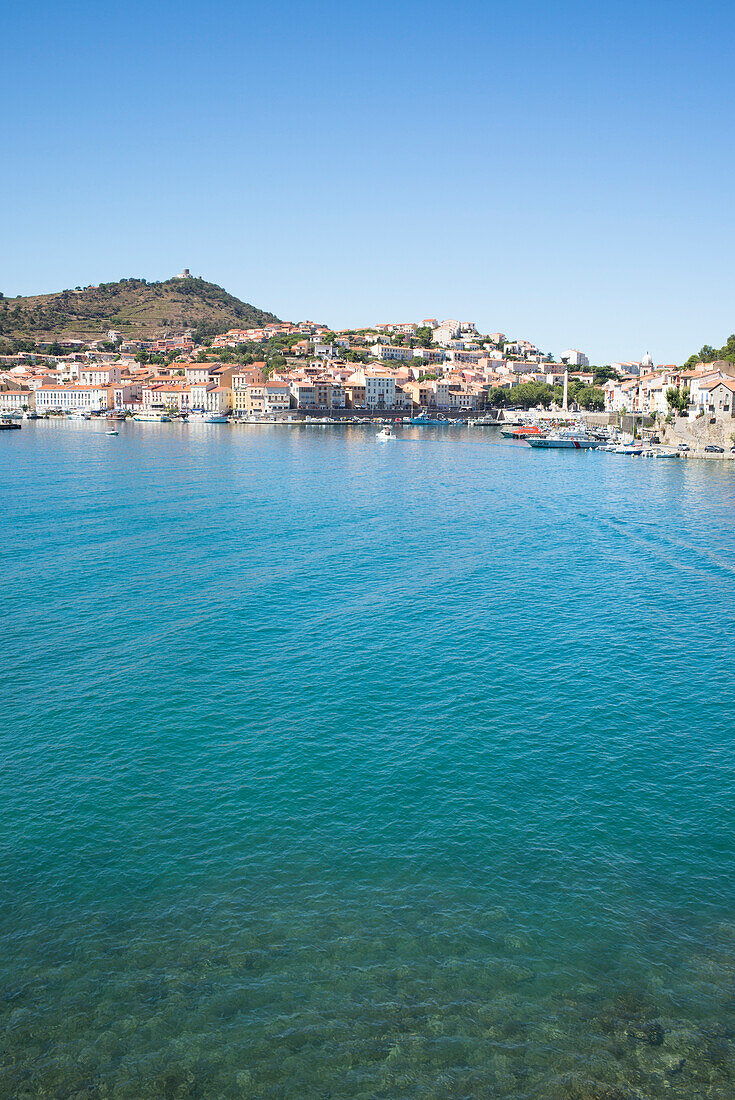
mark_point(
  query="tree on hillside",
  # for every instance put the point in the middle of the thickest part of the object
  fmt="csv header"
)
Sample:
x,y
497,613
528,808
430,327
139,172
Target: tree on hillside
x,y
708,354
601,375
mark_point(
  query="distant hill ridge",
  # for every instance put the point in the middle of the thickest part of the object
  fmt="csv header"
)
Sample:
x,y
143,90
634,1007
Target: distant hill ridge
x,y
136,308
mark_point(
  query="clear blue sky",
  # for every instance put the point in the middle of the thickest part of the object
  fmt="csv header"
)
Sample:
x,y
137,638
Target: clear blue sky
x,y
557,171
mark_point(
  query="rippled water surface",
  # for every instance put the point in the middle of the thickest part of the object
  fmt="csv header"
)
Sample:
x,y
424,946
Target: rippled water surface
x,y
340,769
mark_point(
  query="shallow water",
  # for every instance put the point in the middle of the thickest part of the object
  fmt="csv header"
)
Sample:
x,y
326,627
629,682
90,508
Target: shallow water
x,y
340,769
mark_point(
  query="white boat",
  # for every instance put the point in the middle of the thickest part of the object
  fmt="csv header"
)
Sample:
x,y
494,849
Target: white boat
x,y
153,417
385,434
568,439
483,421
625,449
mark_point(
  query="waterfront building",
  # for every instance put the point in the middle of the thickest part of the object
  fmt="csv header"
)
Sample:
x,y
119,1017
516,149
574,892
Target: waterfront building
x,y
422,394
263,398
302,393
167,395
72,397
354,394
14,399
379,387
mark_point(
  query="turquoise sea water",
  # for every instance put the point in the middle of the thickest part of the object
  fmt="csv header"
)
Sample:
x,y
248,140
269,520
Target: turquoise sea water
x,y
340,769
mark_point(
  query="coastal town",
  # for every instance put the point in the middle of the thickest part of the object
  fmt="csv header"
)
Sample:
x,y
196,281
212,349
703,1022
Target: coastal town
x,y
298,371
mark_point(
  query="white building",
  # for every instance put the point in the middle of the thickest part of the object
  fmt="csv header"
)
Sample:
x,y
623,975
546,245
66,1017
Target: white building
x,y
721,397
380,387
14,399
387,352
574,358
326,351
380,390
700,383
446,332
429,355
72,397
99,375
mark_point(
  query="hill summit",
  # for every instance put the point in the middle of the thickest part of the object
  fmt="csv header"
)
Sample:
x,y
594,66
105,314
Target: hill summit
x,y
136,308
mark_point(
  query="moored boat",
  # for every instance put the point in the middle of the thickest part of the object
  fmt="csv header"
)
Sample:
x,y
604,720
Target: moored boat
x,y
424,418
199,416
523,432
572,439
152,417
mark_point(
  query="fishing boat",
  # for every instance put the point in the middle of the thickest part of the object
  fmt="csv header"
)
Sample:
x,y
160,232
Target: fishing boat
x,y
567,439
150,416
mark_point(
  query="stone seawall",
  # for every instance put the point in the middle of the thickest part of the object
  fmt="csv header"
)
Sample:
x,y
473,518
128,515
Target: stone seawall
x,y
699,432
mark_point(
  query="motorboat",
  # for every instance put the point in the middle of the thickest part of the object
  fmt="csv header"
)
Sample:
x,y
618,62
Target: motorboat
x,y
424,418
568,439
199,416
625,449
523,432
151,416
485,421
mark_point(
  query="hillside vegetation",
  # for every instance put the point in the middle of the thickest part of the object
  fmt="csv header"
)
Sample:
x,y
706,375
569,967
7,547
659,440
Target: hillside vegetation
x,y
136,308
709,354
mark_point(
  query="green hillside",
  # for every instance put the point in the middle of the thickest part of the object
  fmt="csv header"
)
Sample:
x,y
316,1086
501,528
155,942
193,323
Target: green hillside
x,y
708,354
136,308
